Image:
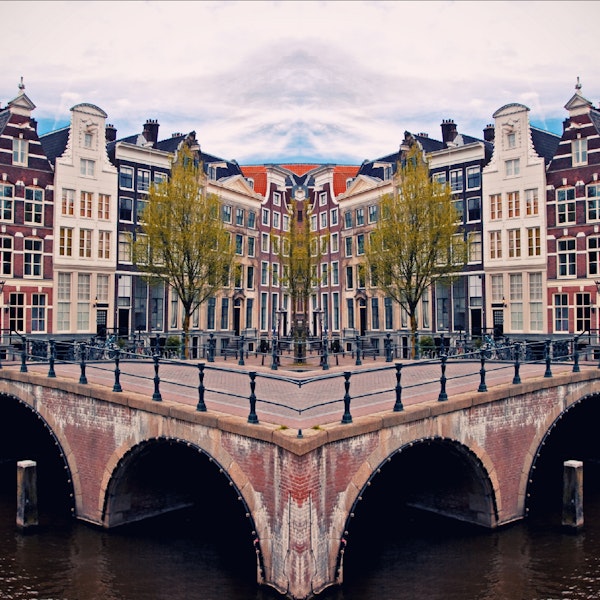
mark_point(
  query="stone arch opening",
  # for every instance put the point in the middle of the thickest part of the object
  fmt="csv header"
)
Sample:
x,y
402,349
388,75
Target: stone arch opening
x,y
164,475
26,435
572,435
432,475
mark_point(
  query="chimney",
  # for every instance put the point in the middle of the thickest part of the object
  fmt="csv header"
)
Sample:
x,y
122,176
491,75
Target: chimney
x,y
449,131
489,133
151,131
111,133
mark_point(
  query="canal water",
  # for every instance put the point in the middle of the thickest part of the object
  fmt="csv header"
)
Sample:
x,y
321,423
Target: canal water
x,y
178,557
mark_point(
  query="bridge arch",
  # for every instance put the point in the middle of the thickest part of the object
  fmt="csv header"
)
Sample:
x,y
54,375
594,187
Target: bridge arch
x,y
570,434
163,474
448,479
43,444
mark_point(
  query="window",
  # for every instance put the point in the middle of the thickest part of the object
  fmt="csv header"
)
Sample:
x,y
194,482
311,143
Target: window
x,y
126,178
224,313
361,278
87,140
276,198
388,312
324,274
87,167
583,310
264,273
124,247
335,273
495,244
20,149
250,277
333,216
348,245
459,207
516,301
68,202
6,202
593,202
275,274
514,243
160,178
372,213
63,294
265,216
512,167
360,244
143,180
531,202
104,244
252,220
375,313
126,209
313,223
579,154
335,242
497,284
511,139
104,207
38,312
593,254
226,214
566,258
495,207
286,222
534,241
561,312
473,178
34,206
210,312
65,241
536,306
565,205
239,217
323,219
264,305
456,181
474,209
514,205
264,242
85,243
6,254
360,216
349,278
85,208
475,247
350,312
249,312
251,246
239,244
32,260
347,219
102,282
475,290
439,177
83,301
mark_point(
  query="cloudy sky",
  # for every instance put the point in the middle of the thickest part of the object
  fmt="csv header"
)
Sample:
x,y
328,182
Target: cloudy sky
x,y
300,81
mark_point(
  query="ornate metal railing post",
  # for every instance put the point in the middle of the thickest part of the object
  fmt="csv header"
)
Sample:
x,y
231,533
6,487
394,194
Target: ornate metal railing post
x,y
548,356
82,377
576,368
23,354
156,395
347,418
482,386
252,417
117,386
201,406
398,405
443,395
517,377
241,360
51,358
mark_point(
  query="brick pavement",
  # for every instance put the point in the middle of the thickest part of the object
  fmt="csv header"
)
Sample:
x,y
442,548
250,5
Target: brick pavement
x,y
299,396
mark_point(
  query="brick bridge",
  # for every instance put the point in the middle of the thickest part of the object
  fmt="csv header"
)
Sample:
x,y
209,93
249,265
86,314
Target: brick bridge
x,y
128,457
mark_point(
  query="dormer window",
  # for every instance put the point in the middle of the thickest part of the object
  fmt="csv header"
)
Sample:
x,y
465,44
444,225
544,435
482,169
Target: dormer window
x,y
250,182
579,151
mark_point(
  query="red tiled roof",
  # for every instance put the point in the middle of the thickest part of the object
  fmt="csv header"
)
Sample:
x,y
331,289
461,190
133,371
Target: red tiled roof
x,y
299,169
259,175
340,175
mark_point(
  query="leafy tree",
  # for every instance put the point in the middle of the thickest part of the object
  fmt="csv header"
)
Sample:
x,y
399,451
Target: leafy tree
x,y
300,254
182,240
417,240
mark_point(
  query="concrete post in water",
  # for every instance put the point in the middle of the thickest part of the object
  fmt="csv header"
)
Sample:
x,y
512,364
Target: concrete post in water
x,y
27,500
572,511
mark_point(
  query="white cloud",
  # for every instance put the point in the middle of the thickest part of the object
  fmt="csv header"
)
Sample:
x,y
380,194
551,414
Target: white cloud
x,y
275,81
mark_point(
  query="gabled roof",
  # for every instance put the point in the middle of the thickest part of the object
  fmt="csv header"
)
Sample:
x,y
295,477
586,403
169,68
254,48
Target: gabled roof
x,y
4,118
258,173
55,143
300,169
544,143
341,174
595,119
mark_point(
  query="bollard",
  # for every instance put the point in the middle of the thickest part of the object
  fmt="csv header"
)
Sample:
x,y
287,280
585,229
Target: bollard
x,y
156,395
482,386
572,511
27,500
252,417
443,396
347,418
398,405
201,406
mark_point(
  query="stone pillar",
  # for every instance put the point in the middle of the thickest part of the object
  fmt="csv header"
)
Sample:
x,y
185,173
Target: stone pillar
x,y
27,500
572,511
